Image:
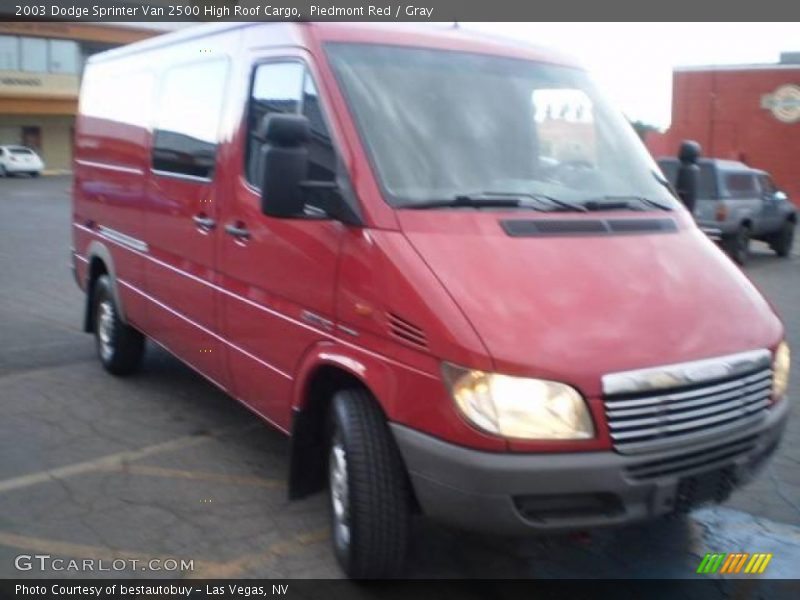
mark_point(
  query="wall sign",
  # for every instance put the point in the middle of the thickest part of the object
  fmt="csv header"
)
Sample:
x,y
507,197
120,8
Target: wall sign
x,y
784,103
46,85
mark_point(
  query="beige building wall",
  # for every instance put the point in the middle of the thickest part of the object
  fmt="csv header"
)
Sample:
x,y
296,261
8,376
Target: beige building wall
x,y
56,137
46,102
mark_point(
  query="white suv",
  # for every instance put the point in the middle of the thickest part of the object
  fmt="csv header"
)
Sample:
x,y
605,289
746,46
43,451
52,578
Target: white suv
x,y
19,159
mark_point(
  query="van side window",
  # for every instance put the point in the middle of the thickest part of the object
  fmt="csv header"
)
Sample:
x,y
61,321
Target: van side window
x,y
768,187
740,185
286,87
321,155
187,125
277,88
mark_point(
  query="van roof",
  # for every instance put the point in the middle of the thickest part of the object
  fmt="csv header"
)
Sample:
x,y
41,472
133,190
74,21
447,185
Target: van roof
x,y
720,163
399,34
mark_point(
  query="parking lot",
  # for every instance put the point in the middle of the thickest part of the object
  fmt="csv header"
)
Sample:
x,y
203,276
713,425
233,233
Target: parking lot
x,y
164,466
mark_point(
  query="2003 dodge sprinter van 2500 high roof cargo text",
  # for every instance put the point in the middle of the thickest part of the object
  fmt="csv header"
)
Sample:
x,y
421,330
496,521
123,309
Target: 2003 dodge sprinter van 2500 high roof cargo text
x,y
444,265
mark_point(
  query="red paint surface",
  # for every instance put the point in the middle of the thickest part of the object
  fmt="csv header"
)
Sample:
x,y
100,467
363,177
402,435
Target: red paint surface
x,y
568,309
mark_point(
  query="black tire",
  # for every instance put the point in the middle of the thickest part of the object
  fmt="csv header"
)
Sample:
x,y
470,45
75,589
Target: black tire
x,y
119,346
378,500
738,245
35,174
784,240
3,172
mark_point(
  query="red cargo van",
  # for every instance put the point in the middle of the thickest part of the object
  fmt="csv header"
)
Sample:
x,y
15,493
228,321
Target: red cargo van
x,y
445,266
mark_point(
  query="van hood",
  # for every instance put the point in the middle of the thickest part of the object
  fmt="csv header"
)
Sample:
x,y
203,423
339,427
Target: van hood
x,y
572,307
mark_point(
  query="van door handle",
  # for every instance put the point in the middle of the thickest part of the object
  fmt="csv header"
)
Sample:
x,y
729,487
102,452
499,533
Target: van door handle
x,y
204,222
238,232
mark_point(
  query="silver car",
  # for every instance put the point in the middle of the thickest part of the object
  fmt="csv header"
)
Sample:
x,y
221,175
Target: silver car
x,y
738,203
19,159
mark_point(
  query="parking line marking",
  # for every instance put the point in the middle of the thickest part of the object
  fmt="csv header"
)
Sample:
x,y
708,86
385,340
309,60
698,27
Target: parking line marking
x,y
152,471
80,551
112,460
237,566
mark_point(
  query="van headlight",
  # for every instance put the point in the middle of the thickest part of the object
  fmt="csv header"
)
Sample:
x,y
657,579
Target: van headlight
x,y
518,407
780,370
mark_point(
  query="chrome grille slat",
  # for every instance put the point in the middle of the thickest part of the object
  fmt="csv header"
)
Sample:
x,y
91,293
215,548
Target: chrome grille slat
x,y
668,418
656,398
682,463
695,424
701,436
759,389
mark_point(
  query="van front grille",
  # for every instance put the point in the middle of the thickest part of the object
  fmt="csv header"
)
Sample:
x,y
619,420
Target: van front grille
x,y
695,461
657,420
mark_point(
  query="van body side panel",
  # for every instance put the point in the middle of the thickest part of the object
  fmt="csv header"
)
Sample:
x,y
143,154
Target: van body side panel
x,y
110,172
182,190
397,322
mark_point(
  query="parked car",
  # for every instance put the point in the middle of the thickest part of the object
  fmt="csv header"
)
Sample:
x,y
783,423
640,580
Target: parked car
x,y
446,267
19,159
740,203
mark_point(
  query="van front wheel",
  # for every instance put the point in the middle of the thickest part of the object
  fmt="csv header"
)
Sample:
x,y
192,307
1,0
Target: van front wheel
x,y
369,495
119,346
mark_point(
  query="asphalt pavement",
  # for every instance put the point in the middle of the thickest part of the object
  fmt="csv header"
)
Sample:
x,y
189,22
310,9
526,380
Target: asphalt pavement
x,y
163,466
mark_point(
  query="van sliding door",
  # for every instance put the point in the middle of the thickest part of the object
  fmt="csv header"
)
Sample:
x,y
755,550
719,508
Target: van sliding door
x,y
181,215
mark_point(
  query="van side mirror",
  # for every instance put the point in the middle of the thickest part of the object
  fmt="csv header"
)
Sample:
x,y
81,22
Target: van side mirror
x,y
780,196
283,159
687,181
284,163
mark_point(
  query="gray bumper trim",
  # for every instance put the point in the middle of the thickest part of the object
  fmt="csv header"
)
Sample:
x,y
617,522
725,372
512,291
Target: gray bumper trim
x,y
475,490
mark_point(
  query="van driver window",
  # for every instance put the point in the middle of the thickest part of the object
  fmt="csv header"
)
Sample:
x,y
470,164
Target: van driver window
x,y
740,185
187,124
287,88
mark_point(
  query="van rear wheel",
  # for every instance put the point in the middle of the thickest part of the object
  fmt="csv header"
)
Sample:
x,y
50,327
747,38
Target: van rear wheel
x,y
782,245
738,245
120,347
369,494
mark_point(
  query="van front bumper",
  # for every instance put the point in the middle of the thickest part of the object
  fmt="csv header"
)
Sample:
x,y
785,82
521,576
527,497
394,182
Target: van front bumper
x,y
507,493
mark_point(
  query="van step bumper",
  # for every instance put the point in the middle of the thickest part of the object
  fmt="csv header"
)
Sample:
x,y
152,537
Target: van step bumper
x,y
507,493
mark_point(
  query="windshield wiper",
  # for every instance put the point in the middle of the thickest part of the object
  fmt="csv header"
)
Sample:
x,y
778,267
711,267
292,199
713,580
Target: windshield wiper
x,y
562,204
617,202
469,201
492,199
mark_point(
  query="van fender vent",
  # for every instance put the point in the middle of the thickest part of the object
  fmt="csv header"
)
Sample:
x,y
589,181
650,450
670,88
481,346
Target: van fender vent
x,y
569,227
406,331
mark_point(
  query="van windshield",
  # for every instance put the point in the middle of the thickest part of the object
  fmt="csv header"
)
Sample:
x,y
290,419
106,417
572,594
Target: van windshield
x,y
441,124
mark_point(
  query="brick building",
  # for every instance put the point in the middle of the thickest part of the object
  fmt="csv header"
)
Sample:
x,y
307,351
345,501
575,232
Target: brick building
x,y
749,113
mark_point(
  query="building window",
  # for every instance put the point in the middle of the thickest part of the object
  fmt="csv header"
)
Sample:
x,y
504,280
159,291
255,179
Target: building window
x,y
32,136
9,53
64,57
34,55
190,106
39,55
